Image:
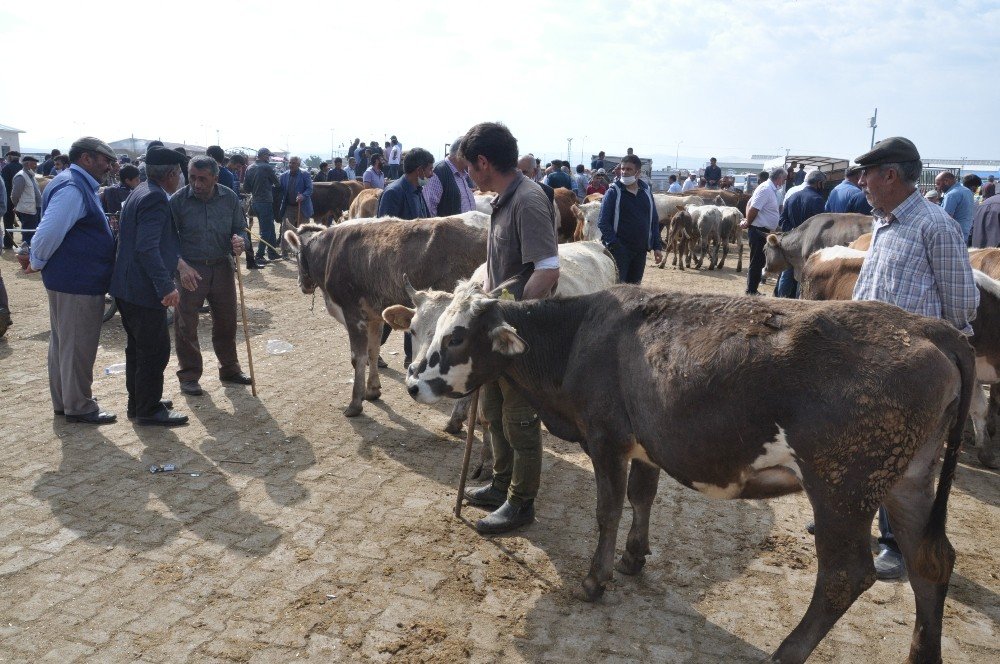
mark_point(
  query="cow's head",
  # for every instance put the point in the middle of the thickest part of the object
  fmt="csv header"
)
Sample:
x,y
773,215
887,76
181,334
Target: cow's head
x,y
460,340
774,255
298,240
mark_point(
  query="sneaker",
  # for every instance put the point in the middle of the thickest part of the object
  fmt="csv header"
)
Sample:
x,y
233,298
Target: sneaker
x,y
507,518
889,565
486,496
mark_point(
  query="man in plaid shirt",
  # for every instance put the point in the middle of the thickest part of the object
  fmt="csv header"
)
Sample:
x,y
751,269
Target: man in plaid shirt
x,y
918,261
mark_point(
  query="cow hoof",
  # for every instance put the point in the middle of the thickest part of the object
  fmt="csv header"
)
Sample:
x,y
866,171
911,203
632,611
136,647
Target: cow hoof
x,y
454,428
352,410
592,590
987,459
630,566
373,395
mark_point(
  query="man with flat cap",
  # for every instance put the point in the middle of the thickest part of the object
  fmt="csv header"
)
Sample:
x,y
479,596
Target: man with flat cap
x,y
9,170
143,286
917,261
75,251
26,197
261,182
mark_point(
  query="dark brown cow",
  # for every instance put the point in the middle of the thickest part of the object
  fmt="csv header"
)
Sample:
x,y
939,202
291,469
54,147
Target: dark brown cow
x,y
330,201
359,267
682,236
869,394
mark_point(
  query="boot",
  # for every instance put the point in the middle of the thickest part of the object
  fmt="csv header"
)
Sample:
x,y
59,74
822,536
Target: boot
x,y
507,518
486,496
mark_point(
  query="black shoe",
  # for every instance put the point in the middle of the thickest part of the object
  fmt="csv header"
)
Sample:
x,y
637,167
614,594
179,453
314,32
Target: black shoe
x,y
164,418
191,388
506,518
382,364
166,403
274,257
5,320
96,417
811,527
204,309
238,378
889,565
256,265
486,496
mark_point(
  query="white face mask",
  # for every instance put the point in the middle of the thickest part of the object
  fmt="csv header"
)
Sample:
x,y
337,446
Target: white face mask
x,y
423,181
628,181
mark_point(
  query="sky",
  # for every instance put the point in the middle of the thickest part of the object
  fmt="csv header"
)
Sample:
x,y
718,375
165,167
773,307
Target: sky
x,y
689,79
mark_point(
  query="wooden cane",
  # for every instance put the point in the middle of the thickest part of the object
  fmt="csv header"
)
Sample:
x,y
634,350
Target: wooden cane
x,y
473,416
246,328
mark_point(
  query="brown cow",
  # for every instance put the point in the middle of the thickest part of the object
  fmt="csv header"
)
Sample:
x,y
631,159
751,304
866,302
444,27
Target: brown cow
x,y
590,198
330,201
365,204
565,199
682,236
863,243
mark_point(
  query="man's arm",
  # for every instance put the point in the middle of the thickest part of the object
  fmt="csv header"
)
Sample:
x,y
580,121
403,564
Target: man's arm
x,y
17,190
950,202
541,283
65,208
949,259
150,218
606,221
390,203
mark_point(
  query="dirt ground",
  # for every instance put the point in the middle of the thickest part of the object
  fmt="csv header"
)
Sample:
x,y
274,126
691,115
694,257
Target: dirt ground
x,y
291,533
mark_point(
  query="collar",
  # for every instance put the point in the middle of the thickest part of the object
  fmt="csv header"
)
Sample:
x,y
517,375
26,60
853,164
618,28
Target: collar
x,y
504,197
897,212
189,192
95,185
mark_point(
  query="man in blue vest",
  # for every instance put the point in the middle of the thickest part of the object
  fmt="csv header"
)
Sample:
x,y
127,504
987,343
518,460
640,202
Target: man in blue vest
x,y
74,250
629,224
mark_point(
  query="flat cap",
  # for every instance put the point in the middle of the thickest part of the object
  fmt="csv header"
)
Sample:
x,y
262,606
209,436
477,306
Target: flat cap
x,y
28,157
160,156
263,152
889,151
91,144
13,153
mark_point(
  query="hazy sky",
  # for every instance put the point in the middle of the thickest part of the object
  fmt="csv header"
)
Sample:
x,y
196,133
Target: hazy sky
x,y
728,79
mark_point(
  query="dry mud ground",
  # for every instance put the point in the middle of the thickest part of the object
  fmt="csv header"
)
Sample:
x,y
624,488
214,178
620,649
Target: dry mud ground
x,y
333,539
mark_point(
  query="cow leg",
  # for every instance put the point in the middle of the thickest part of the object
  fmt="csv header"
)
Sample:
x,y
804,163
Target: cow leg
x,y
739,253
725,252
357,334
459,413
987,452
373,390
642,483
611,472
845,571
714,259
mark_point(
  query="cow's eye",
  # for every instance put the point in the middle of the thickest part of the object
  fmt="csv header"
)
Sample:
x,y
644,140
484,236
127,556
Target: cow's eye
x,y
455,341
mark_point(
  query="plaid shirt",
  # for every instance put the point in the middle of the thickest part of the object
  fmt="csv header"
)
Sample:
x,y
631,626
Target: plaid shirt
x,y
919,262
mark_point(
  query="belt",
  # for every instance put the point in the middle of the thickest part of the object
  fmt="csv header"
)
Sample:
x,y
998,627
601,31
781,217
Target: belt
x,y
761,229
208,261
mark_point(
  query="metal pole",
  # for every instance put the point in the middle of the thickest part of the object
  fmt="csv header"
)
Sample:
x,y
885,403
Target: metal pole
x,y
874,125
569,151
677,154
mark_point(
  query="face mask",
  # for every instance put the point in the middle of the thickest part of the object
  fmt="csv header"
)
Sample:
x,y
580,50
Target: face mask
x,y
423,181
628,180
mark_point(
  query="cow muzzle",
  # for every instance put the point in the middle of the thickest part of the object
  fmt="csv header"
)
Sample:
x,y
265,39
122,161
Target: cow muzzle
x,y
422,391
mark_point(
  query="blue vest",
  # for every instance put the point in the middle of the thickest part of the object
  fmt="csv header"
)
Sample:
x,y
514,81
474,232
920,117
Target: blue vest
x,y
83,263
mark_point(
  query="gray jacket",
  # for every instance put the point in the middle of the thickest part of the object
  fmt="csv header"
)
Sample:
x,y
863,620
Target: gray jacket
x,y
260,181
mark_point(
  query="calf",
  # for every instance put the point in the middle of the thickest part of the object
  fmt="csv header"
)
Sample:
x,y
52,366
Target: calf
x,y
365,204
708,220
588,229
566,221
682,235
330,201
732,234
791,249
634,376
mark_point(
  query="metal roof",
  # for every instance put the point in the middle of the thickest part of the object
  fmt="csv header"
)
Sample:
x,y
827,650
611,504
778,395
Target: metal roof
x,y
4,127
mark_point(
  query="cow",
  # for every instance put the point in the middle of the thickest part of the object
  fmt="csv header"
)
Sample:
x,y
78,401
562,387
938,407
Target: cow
x,y
588,229
830,274
708,220
736,199
359,268
682,235
365,204
591,198
566,220
986,260
791,249
666,205
634,375
330,201
483,202
863,243
732,233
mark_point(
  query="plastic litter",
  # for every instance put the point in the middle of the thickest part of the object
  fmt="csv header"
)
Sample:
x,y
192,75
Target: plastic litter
x,y
114,369
278,347
165,468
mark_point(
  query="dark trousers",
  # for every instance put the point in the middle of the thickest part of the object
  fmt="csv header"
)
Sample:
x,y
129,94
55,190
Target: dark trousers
x,y
9,221
29,222
787,286
4,303
516,437
407,340
394,171
885,536
265,218
631,263
147,351
218,287
756,237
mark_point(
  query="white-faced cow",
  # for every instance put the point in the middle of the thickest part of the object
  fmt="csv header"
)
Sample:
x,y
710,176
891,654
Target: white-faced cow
x,y
360,267
791,249
869,394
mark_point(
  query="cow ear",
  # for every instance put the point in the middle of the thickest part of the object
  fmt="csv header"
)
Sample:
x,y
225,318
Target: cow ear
x,y
292,238
398,317
772,240
506,341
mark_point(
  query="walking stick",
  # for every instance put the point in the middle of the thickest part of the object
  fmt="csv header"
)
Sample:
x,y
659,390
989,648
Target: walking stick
x,y
246,328
473,416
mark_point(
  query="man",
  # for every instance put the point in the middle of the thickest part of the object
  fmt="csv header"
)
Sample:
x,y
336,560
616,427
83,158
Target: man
x,y
404,198
529,167
449,190
762,218
799,206
337,173
580,182
60,164
990,188
847,196
49,163
395,157
229,180
7,173
352,169
599,162
675,186
5,321
629,224
260,182
26,198
143,286
917,261
74,250
800,175
112,198
557,178
362,156
296,199
956,200
599,184
690,183
713,174
209,220
986,224
373,177
323,175
521,246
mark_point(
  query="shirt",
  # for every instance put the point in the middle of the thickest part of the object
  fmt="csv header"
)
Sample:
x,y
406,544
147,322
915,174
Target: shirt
x,y
376,180
958,202
689,185
765,199
919,262
557,179
350,173
805,203
674,188
433,191
64,209
394,153
337,175
848,197
260,181
986,225
521,233
206,228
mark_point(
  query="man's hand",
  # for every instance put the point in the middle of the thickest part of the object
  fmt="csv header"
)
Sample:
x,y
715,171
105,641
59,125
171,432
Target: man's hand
x,y
172,299
189,275
237,245
744,224
298,199
657,255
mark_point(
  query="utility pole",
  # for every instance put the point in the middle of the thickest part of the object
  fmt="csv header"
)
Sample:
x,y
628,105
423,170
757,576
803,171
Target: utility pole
x,y
583,160
873,123
331,144
569,151
677,154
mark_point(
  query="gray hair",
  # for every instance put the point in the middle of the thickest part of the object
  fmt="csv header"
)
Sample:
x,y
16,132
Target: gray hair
x,y
908,171
777,172
204,163
815,177
160,172
453,150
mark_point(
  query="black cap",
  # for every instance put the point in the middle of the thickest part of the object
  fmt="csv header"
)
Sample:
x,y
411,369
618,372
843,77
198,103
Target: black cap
x,y
889,151
263,152
13,153
27,158
161,156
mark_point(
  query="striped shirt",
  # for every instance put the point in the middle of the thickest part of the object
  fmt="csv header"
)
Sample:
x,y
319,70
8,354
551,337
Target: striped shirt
x,y
919,262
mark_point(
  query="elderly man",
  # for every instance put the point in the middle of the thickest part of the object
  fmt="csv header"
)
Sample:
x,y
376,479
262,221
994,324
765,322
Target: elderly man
x,y
449,190
847,196
763,214
143,286
209,220
260,182
956,200
296,199
799,206
630,226
690,183
918,261
27,198
522,246
75,251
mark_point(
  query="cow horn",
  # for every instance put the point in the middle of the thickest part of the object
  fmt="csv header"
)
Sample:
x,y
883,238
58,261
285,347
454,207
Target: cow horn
x,y
410,290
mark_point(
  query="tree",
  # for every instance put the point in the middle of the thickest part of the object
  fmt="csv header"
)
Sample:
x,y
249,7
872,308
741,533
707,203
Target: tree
x,y
313,161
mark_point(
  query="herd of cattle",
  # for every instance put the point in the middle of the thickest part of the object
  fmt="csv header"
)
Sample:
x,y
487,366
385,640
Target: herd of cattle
x,y
861,398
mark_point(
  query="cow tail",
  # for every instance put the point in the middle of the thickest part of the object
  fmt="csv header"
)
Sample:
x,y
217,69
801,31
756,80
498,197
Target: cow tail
x,y
935,556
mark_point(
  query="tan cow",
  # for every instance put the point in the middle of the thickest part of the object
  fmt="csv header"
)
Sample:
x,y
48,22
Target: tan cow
x,y
365,204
